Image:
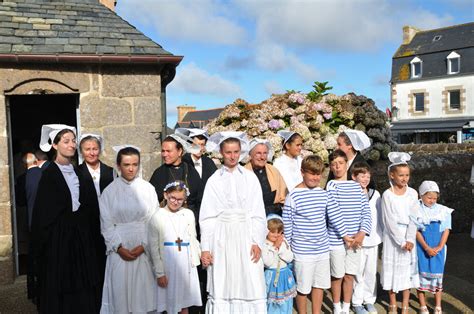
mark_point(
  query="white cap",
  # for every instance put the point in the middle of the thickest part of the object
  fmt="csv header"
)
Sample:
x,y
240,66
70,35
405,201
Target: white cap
x,y
215,140
286,135
49,132
428,186
359,140
192,132
274,216
120,147
255,141
98,137
186,142
398,158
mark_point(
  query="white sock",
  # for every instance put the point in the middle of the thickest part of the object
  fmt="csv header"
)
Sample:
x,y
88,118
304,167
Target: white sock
x,y
345,307
337,308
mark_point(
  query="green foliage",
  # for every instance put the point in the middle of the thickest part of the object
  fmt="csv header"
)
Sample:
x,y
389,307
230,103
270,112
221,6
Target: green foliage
x,y
320,90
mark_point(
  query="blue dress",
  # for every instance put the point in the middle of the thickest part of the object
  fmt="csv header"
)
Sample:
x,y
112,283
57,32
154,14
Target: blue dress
x,y
281,289
436,220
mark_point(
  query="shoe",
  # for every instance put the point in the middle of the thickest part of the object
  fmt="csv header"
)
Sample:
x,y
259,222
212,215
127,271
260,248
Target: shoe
x,y
438,310
392,309
371,308
405,309
424,310
359,309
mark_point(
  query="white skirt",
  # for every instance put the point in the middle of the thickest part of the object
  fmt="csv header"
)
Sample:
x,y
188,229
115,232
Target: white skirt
x,y
235,283
399,267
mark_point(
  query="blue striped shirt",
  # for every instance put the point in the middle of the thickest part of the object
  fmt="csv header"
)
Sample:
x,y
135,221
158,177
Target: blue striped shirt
x,y
354,208
305,216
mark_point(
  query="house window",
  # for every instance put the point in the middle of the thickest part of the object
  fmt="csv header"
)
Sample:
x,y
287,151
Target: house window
x,y
416,67
454,63
455,99
419,101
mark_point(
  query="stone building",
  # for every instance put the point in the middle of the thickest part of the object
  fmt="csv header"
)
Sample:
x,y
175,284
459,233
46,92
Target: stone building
x,y
74,62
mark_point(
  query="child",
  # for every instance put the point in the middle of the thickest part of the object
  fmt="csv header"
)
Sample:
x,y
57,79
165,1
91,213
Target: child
x,y
307,210
435,223
399,209
276,255
356,215
365,285
175,252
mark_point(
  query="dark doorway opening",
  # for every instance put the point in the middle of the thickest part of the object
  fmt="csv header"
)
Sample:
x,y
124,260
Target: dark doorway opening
x,y
27,113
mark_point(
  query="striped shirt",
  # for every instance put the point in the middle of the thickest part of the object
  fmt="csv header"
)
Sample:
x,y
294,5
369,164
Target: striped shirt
x,y
305,216
354,208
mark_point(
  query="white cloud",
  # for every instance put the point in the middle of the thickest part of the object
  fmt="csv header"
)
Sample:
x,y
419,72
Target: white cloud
x,y
192,79
202,21
272,87
339,25
274,57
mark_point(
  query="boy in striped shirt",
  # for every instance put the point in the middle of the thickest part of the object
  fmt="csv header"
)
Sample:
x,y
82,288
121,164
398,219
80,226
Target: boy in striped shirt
x,y
356,215
307,210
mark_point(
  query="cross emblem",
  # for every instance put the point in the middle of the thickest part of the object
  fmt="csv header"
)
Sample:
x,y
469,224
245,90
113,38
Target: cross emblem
x,y
178,241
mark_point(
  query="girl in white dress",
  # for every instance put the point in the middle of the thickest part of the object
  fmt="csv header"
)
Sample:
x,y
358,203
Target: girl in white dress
x,y
289,164
175,252
399,210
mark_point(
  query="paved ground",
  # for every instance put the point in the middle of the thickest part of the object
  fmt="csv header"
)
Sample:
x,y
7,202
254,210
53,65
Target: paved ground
x,y
458,297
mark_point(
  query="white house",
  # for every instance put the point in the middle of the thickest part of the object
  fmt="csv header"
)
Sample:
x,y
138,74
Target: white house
x,y
432,85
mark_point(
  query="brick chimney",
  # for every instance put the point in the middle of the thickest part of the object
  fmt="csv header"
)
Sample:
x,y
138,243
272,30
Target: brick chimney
x,y
109,4
408,33
183,110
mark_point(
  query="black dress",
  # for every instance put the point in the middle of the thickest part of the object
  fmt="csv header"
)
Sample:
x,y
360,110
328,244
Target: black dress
x,y
67,279
106,177
184,172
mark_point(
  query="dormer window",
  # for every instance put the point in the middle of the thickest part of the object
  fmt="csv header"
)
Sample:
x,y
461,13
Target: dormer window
x,y
454,63
416,67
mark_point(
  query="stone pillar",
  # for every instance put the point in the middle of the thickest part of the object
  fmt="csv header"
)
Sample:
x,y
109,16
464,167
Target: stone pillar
x,y
6,243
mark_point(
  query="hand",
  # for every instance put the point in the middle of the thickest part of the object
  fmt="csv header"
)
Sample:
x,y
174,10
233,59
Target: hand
x,y
431,251
358,239
278,242
125,254
408,246
163,281
206,258
438,249
348,241
137,251
255,253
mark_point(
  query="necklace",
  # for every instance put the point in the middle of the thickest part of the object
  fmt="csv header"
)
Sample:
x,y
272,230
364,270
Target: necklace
x,y
178,240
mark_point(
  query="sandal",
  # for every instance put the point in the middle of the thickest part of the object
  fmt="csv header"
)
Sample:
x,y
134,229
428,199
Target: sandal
x,y
392,309
424,310
405,309
438,310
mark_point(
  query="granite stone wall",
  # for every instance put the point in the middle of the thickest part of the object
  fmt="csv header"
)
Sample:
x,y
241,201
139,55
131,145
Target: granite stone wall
x,y
120,102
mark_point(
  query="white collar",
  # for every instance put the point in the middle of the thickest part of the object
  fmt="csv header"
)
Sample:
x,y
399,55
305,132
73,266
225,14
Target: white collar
x,y
225,169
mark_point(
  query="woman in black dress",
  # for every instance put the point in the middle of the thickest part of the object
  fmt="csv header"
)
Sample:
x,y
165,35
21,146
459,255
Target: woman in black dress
x,y
64,253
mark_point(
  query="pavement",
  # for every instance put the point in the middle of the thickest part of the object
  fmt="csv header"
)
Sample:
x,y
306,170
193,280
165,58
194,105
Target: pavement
x,y
458,296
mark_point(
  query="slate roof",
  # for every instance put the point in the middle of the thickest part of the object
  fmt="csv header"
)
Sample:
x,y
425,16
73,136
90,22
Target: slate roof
x,y
451,38
34,27
198,118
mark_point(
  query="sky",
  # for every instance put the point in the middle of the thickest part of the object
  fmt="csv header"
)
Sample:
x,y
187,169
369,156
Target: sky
x,y
250,49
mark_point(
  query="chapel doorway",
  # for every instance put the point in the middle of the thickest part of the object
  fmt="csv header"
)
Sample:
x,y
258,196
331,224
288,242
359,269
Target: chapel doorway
x,y
26,114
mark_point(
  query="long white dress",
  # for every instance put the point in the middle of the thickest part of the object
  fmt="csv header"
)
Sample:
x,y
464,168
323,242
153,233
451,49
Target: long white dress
x,y
125,209
232,219
290,169
177,263
399,267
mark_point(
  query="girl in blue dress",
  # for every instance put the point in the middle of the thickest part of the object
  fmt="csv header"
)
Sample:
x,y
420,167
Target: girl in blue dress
x,y
276,255
434,225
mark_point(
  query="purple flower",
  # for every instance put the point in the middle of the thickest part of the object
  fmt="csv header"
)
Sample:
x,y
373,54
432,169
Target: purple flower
x,y
327,116
274,124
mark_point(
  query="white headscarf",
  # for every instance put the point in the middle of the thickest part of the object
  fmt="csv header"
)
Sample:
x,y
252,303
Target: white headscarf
x,y
215,140
191,132
98,137
286,135
256,141
186,142
49,132
359,140
428,186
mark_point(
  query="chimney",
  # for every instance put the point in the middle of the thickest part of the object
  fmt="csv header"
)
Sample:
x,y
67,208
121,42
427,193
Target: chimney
x,y
109,4
183,110
408,33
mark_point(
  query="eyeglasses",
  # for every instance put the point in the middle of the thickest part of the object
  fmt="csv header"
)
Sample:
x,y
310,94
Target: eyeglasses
x,y
176,200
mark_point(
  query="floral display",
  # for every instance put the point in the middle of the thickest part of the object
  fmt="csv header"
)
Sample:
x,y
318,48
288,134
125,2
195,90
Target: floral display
x,y
317,117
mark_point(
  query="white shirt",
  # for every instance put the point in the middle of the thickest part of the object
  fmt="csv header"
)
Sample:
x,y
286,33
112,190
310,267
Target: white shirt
x,y
95,174
197,164
72,182
290,170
